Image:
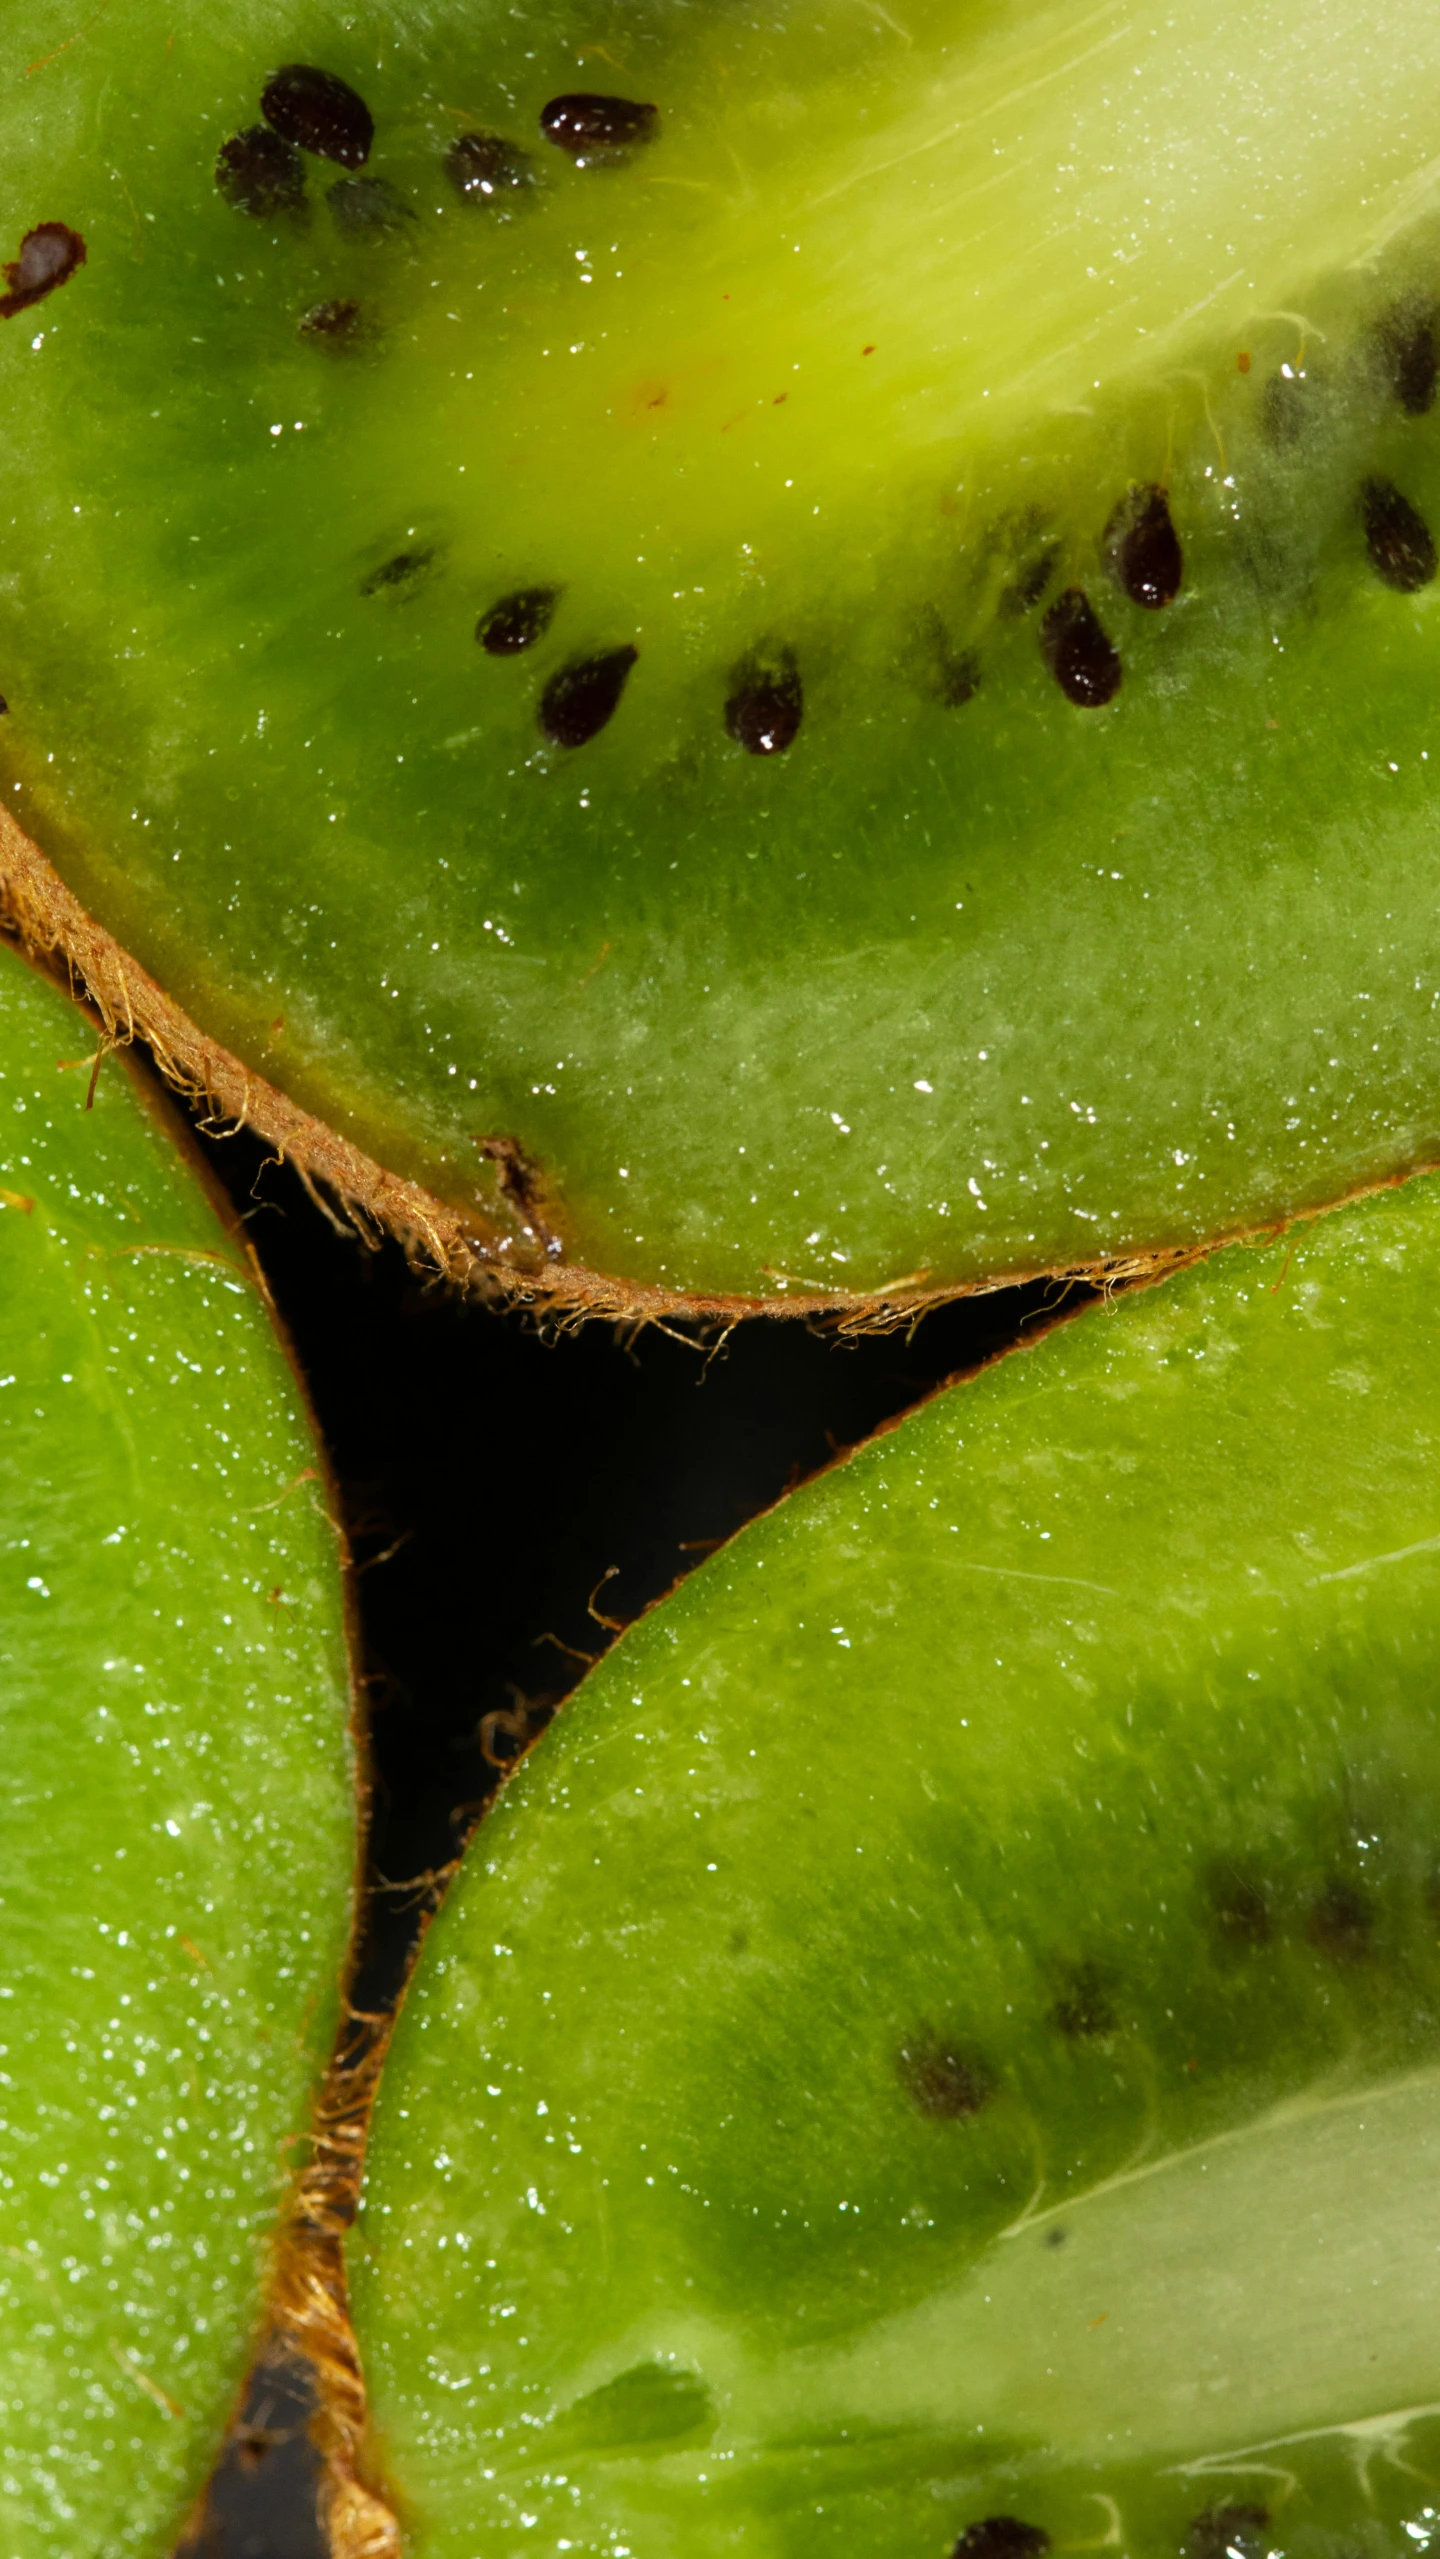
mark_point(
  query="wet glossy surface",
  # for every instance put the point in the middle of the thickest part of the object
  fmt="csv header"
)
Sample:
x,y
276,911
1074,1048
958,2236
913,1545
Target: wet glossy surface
x,y
1030,2115
176,1813
924,993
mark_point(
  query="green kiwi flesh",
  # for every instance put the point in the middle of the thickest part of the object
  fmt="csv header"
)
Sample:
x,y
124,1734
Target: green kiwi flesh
x,y
806,415
942,2038
177,1816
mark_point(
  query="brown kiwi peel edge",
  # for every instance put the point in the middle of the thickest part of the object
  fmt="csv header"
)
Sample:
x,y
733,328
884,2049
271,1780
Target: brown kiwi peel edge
x,y
520,1264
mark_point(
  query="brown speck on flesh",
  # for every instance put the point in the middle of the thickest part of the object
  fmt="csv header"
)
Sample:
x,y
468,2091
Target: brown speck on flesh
x,y
517,621
259,173
939,2081
1002,2537
766,703
1397,537
318,112
592,128
1079,652
49,256
1242,361
522,1186
1144,549
584,697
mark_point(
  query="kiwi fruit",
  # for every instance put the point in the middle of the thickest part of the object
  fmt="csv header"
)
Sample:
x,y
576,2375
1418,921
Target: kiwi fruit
x,y
779,661
937,2050
177,1796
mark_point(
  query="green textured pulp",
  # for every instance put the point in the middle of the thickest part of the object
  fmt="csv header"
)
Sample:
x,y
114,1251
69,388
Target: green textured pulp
x,y
947,2024
885,315
177,1833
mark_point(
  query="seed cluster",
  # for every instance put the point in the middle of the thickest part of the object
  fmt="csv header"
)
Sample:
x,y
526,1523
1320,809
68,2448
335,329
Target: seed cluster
x,y
308,110
1219,2532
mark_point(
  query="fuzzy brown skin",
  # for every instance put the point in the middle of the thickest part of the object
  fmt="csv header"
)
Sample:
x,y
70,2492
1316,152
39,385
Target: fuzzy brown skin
x,y
309,2304
510,1264
519,1263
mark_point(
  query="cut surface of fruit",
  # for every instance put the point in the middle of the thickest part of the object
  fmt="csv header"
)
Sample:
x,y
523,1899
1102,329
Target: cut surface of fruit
x,y
177,1816
942,2038
823,626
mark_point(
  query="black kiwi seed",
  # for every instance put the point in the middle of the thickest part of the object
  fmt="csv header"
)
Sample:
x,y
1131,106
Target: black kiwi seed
x,y
402,571
1144,549
1227,2532
319,113
368,208
517,621
336,324
594,128
1079,653
766,704
942,2083
1002,2537
49,255
1397,537
1412,357
1025,590
1341,1921
260,172
485,168
1084,2007
1240,1909
585,696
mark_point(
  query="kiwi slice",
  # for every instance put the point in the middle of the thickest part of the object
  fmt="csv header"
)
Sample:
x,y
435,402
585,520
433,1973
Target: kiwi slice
x,y
783,658
938,2049
177,1817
